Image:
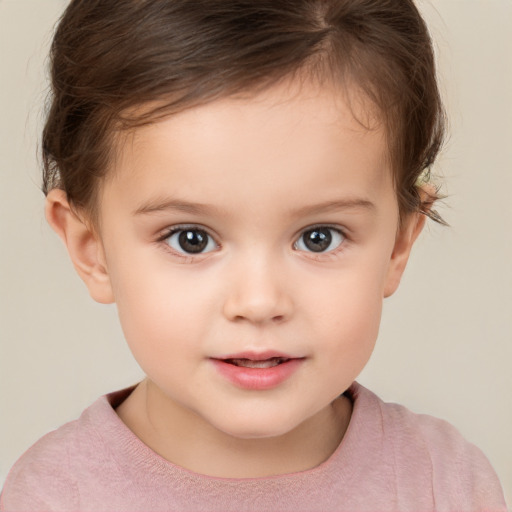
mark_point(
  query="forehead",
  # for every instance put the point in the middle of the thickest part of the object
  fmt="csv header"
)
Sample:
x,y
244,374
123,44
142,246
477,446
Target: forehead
x,y
266,145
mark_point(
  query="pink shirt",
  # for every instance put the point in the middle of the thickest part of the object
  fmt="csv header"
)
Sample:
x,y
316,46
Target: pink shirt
x,y
389,460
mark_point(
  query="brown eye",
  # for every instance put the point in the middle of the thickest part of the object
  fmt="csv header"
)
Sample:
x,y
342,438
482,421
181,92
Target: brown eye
x,y
320,239
190,241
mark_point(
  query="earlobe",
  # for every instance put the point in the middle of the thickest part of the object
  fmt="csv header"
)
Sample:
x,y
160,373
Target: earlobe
x,y
83,244
401,251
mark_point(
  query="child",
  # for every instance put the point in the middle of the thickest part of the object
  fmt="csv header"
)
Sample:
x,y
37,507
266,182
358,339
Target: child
x,y
245,180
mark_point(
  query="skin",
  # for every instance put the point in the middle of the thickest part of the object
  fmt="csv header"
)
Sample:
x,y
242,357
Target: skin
x,y
257,162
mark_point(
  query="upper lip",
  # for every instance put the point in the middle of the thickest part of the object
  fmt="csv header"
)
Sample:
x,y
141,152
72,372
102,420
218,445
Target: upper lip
x,y
258,356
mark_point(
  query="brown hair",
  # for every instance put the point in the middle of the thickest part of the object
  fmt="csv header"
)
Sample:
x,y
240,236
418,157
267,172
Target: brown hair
x,y
110,57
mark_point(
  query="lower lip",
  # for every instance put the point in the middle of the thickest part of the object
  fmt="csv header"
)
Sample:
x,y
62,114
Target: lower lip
x,y
257,378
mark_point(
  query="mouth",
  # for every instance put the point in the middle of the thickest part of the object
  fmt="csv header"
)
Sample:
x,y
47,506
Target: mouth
x,y
261,371
258,363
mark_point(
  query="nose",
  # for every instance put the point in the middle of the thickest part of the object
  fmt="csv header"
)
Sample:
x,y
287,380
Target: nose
x,y
258,293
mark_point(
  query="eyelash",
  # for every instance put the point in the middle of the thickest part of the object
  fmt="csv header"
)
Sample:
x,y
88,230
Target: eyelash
x,y
333,253
187,258
190,258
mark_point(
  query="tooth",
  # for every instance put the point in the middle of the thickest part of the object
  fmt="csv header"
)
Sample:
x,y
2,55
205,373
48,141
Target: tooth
x,y
266,363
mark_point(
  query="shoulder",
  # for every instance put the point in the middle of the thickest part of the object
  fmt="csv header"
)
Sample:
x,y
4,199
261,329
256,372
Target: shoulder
x,y
50,475
459,474
40,479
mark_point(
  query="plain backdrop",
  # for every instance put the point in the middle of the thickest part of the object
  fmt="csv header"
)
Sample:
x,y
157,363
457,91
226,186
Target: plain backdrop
x,y
445,346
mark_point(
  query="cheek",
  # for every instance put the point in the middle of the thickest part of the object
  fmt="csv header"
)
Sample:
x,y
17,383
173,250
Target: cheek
x,y
349,313
352,340
157,311
356,321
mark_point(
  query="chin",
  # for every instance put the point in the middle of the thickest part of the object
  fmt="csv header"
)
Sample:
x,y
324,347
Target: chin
x,y
256,428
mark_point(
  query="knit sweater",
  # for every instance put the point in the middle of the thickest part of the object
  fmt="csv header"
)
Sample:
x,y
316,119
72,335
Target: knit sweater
x,y
390,459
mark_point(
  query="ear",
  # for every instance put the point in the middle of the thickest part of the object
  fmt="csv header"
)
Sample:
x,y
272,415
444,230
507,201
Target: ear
x,y
405,239
83,244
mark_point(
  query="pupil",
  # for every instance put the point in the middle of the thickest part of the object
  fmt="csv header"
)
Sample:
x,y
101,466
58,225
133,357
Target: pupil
x,y
317,240
193,241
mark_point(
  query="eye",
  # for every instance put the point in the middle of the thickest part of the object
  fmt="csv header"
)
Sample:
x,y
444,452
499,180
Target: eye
x,y
190,240
320,239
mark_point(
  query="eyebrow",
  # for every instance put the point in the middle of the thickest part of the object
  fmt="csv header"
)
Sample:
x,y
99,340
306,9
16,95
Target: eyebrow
x,y
161,205
340,204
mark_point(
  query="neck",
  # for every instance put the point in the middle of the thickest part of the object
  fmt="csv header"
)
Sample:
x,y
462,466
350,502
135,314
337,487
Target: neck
x,y
183,438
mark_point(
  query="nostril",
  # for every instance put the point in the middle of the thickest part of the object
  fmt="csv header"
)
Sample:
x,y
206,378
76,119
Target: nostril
x,y
277,318
257,306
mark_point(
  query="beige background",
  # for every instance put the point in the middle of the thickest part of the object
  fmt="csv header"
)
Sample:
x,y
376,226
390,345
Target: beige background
x,y
446,339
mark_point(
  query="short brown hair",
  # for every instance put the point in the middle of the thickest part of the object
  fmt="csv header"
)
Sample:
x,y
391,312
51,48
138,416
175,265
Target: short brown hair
x,y
109,57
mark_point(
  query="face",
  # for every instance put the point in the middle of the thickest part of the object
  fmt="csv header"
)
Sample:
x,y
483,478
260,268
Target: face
x,y
249,244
